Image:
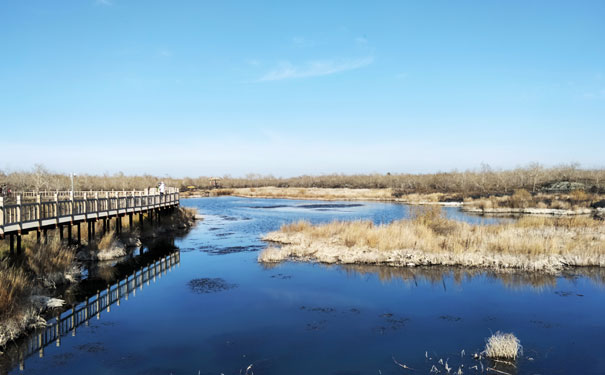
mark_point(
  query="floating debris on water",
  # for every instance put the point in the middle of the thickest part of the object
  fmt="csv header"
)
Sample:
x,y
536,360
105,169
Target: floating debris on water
x,y
208,285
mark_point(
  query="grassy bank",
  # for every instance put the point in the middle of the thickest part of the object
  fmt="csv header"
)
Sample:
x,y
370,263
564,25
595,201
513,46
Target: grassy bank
x,y
532,243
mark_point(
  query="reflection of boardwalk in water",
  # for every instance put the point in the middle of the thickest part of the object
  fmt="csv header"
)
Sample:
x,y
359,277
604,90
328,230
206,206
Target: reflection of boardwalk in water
x,y
68,321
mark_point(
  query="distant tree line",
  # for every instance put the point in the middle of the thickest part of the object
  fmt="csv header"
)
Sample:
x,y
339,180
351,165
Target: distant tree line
x,y
480,182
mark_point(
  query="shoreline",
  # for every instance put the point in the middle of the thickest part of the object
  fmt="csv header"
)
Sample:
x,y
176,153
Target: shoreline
x,y
538,244
37,295
385,196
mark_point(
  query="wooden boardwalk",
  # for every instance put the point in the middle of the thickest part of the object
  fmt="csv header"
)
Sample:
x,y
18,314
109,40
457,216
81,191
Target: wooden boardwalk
x,y
49,210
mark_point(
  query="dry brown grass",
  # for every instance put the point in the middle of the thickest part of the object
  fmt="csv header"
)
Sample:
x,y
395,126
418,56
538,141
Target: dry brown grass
x,y
50,258
503,345
522,199
107,240
311,193
14,285
429,238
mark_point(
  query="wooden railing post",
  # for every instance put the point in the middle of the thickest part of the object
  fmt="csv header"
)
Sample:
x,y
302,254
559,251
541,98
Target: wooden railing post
x,y
56,206
18,213
71,203
1,211
96,205
85,204
38,204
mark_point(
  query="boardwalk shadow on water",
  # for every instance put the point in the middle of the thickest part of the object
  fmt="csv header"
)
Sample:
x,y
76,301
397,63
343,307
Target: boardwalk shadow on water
x,y
90,300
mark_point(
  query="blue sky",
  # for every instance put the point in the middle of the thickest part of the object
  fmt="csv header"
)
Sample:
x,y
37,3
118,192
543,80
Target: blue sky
x,y
211,88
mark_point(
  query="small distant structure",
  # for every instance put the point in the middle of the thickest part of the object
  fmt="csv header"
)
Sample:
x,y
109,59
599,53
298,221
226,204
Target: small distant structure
x,y
215,182
190,187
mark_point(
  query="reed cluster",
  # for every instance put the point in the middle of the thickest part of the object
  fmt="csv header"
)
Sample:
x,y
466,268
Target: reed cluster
x,y
428,238
503,345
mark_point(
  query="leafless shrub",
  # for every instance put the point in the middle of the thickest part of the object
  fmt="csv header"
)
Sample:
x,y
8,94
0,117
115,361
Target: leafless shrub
x,y
470,183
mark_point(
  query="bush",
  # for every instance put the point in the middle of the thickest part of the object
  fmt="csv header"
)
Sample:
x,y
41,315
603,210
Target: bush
x,y
521,198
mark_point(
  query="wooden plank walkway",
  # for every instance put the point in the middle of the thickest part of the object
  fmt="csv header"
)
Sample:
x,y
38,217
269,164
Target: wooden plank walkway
x,y
33,211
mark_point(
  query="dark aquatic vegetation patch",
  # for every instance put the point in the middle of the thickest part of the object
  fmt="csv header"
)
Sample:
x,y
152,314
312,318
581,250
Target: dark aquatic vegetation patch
x,y
228,218
450,318
224,234
392,322
326,310
316,326
269,206
543,324
213,250
281,276
92,347
207,285
214,228
187,249
329,205
562,293
355,311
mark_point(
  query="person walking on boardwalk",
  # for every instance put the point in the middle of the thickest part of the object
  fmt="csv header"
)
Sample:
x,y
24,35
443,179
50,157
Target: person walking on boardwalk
x,y
162,188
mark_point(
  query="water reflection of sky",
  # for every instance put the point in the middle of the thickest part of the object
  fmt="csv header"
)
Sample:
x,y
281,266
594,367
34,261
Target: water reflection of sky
x,y
299,318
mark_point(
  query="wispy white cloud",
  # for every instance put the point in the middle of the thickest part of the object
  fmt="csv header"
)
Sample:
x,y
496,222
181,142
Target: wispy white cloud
x,y
286,70
104,2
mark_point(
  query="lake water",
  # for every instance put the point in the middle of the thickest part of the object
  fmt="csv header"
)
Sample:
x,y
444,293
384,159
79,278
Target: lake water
x,y
219,311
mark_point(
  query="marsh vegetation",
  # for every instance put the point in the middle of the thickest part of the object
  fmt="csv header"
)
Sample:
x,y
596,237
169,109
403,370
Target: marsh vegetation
x,y
428,238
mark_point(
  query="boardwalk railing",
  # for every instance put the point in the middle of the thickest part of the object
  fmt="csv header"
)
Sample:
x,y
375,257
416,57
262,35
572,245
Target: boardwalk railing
x,y
68,321
72,207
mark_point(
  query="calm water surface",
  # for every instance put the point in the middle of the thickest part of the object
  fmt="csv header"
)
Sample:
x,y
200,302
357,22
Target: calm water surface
x,y
220,311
